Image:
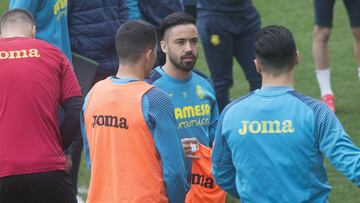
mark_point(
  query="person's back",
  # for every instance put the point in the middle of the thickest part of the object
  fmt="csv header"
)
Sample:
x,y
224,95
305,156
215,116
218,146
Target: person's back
x,y
122,151
36,78
30,97
278,147
277,138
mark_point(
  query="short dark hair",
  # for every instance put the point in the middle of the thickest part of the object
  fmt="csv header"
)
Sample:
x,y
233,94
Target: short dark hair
x,y
16,15
275,47
174,19
133,38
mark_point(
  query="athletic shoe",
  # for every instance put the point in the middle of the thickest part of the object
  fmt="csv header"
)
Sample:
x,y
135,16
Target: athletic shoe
x,y
329,100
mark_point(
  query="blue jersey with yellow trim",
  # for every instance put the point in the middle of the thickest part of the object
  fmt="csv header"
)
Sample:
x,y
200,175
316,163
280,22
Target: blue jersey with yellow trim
x,y
51,21
270,147
194,103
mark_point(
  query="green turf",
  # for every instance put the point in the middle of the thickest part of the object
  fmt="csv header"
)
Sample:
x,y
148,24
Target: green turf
x,y
297,15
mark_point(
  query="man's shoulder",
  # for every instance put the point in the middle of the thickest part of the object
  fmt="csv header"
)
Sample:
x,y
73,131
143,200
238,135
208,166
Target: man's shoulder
x,y
29,48
203,79
154,76
311,102
237,102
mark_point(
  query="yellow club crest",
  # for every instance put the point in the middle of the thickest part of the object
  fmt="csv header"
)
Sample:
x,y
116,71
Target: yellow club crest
x,y
215,39
200,91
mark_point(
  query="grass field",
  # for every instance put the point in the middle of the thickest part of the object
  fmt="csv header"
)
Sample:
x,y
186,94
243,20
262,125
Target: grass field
x,y
298,17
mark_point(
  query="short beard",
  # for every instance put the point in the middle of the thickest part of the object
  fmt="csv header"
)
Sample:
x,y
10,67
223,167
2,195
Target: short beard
x,y
187,67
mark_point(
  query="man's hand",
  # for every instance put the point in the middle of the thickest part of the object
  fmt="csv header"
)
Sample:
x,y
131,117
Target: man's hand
x,y
190,145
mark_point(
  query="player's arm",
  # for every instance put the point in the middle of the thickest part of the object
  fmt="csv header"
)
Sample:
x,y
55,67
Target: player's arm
x,y
84,135
213,122
223,169
69,127
336,144
29,5
70,100
162,124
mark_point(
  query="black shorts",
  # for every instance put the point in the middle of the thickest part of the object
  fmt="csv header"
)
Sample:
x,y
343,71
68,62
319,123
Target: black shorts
x,y
324,12
54,187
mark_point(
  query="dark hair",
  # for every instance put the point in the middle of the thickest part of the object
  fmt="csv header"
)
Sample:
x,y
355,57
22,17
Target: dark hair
x,y
16,15
275,47
133,38
174,19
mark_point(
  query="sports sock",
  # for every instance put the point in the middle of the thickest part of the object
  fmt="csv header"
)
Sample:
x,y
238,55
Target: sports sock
x,y
359,72
323,78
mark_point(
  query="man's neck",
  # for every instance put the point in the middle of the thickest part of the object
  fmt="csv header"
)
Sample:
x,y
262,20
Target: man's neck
x,y
285,79
176,73
130,72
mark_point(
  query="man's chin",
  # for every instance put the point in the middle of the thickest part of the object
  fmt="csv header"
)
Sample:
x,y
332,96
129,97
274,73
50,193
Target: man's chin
x,y
187,69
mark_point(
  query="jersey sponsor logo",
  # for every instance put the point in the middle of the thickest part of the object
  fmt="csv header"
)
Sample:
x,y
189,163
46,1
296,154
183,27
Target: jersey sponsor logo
x,y
266,127
197,115
203,181
110,121
192,111
18,54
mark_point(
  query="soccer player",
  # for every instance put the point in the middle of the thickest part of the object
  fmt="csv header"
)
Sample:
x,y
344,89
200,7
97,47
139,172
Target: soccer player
x,y
323,23
192,94
131,143
270,144
51,21
227,29
51,26
36,78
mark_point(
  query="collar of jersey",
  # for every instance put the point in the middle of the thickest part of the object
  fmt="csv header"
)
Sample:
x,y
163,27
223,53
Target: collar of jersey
x,y
117,80
273,90
168,77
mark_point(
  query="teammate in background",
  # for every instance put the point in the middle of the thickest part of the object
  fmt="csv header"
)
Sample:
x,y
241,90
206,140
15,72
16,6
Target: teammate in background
x,y
36,78
323,23
192,94
51,21
92,26
131,143
270,145
227,29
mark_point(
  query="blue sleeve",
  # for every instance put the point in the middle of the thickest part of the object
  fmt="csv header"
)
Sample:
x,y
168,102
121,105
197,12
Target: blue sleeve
x,y
29,5
336,144
161,121
84,135
213,122
222,165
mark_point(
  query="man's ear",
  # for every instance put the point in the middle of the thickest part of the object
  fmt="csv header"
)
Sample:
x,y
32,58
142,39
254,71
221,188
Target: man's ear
x,y
297,59
148,55
33,31
258,66
163,46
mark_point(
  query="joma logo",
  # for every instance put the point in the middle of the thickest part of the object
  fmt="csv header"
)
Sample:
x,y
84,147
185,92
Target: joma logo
x,y
110,121
201,180
17,54
263,127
